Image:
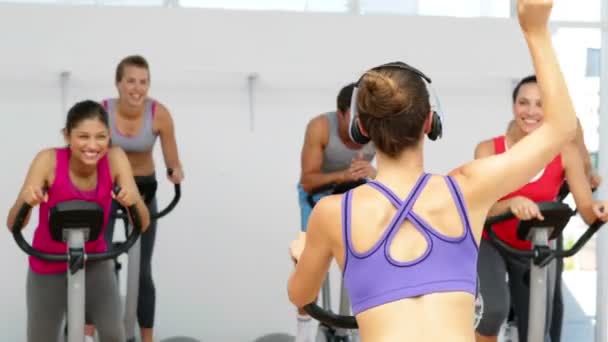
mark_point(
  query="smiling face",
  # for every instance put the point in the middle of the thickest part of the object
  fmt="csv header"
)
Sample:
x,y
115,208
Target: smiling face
x,y
87,133
89,141
527,108
133,85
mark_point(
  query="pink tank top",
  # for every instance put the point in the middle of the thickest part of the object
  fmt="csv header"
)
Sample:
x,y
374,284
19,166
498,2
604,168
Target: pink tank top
x,y
62,190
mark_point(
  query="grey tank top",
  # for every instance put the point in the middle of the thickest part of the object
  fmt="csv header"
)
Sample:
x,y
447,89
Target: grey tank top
x,y
338,156
145,138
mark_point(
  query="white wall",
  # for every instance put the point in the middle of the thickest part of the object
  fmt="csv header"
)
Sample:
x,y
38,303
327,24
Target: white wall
x,y
221,261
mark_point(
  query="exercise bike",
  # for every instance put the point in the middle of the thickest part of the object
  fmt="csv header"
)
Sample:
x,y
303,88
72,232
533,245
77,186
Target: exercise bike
x,y
148,190
508,331
326,332
75,222
556,215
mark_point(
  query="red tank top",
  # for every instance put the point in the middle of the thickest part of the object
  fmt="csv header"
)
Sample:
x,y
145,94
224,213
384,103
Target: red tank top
x,y
541,189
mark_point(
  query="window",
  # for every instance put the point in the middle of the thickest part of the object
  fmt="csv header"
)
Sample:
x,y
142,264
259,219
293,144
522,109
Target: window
x,y
576,10
465,8
270,5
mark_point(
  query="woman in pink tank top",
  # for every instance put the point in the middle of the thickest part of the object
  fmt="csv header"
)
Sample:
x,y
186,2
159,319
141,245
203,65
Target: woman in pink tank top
x,y
86,169
366,228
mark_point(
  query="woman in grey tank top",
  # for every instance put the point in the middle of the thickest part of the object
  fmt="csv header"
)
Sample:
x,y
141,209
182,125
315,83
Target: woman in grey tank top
x,y
136,121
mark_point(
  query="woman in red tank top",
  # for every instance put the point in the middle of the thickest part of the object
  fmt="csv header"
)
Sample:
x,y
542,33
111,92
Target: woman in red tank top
x,y
569,166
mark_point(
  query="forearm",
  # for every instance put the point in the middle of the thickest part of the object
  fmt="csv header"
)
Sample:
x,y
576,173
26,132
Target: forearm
x,y
500,207
12,215
171,158
314,180
587,214
143,214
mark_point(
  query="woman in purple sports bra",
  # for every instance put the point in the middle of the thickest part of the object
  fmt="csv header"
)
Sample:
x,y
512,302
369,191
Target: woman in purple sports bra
x,y
86,169
407,241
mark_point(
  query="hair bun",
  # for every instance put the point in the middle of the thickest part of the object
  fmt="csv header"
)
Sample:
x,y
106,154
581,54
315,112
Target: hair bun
x,y
380,96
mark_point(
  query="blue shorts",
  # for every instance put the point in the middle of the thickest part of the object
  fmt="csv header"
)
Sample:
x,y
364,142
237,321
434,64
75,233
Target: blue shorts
x,y
305,207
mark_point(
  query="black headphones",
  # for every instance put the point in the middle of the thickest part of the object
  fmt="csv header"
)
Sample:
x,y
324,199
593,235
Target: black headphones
x,y
436,129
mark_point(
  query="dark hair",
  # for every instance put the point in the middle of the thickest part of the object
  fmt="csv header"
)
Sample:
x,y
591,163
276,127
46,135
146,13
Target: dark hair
x,y
84,110
344,97
525,80
134,60
393,105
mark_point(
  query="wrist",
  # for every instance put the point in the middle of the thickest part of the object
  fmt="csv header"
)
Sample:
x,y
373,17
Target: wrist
x,y
341,176
541,33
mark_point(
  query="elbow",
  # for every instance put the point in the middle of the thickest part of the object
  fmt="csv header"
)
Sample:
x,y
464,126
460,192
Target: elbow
x,y
296,301
306,186
588,215
146,221
589,219
145,224
295,296
291,293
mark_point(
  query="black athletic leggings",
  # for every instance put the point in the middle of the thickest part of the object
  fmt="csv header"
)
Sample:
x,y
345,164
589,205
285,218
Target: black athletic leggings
x,y
499,295
146,303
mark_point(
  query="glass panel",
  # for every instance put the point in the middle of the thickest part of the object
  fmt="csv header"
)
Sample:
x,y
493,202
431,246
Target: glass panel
x,y
389,7
576,10
465,8
132,2
577,51
269,5
90,2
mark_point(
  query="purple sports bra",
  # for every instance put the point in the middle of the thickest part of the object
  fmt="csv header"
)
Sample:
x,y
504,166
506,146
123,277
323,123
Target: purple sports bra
x,y
374,278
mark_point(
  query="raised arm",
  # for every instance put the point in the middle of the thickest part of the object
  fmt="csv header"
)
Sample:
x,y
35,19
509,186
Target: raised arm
x,y
486,180
168,143
32,190
123,177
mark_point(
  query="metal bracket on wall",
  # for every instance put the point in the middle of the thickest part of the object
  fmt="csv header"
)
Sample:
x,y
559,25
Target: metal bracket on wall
x,y
251,81
64,81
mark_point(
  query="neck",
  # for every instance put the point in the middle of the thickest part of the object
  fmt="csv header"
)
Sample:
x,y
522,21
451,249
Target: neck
x,y
124,109
408,164
514,135
81,170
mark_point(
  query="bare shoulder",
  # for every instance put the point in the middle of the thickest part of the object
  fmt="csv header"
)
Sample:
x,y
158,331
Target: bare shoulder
x,y
161,110
318,124
45,159
484,149
317,129
117,157
46,155
44,163
329,206
325,216
115,153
